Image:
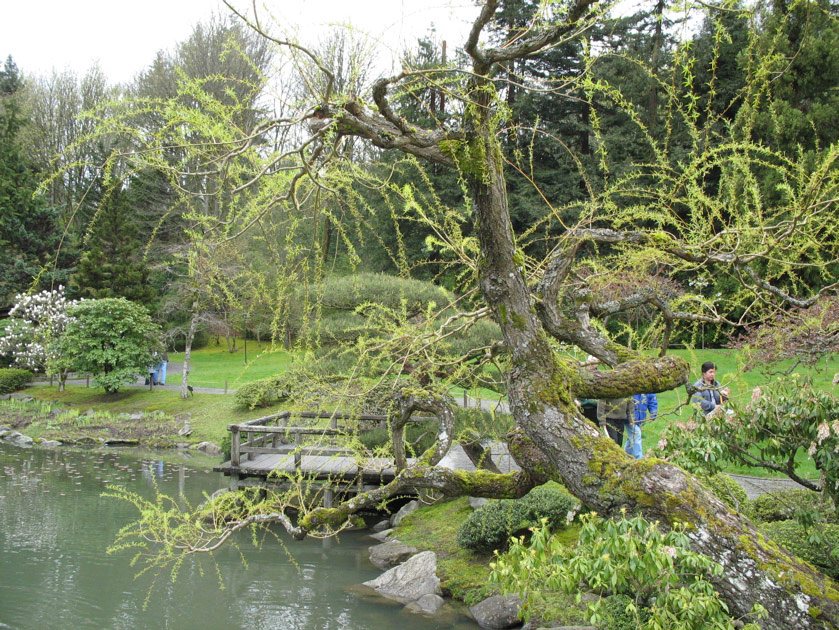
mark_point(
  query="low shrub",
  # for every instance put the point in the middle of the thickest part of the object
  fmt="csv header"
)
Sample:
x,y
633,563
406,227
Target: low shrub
x,y
12,379
782,505
262,393
551,501
819,545
491,526
615,615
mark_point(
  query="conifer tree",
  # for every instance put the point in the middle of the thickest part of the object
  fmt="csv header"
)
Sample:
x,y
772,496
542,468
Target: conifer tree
x,y
29,232
111,266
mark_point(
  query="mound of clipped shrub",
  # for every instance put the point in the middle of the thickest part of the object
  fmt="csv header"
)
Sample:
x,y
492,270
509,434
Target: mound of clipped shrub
x,y
796,539
12,379
262,393
781,505
491,526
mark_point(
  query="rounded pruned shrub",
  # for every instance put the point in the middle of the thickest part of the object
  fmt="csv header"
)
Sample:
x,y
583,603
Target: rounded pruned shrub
x,y
553,502
262,393
819,546
12,379
491,526
781,505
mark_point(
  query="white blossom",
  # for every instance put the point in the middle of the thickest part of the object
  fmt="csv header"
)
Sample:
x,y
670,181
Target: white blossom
x,y
36,322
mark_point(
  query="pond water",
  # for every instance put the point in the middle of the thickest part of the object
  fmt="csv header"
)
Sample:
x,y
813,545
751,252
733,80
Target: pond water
x,y
54,573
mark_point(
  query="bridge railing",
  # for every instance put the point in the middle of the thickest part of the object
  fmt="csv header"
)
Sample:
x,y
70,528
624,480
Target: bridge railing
x,y
273,435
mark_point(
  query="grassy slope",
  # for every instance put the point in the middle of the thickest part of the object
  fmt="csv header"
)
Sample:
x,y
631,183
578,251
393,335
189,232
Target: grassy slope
x,y
213,365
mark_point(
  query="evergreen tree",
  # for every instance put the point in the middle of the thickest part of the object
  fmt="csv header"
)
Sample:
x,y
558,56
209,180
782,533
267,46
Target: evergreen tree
x,y
111,266
29,229
803,106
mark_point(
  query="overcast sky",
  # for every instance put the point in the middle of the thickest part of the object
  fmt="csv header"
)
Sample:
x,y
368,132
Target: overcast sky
x,y
124,35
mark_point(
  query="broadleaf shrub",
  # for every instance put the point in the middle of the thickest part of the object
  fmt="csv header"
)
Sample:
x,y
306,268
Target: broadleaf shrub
x,y
819,545
262,393
12,379
665,583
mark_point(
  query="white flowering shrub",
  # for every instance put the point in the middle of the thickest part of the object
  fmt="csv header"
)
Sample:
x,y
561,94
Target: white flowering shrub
x,y
35,325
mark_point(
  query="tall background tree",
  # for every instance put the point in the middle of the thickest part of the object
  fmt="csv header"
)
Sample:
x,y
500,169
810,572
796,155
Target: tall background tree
x,y
113,264
30,231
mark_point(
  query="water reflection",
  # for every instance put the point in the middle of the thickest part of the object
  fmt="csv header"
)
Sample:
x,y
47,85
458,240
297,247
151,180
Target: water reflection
x,y
55,526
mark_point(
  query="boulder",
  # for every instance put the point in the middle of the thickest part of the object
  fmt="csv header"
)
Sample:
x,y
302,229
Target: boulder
x,y
403,512
409,581
390,553
209,448
497,612
138,415
383,535
381,525
426,605
4,431
49,443
477,502
19,439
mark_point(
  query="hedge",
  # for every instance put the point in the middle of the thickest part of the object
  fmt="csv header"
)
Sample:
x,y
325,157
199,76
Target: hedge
x,y
12,379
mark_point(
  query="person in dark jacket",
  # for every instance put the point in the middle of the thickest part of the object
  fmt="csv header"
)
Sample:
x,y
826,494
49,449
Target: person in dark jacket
x,y
711,396
615,414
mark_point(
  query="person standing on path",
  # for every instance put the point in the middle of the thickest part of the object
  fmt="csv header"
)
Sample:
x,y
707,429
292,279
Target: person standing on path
x,y
161,368
710,395
644,404
615,414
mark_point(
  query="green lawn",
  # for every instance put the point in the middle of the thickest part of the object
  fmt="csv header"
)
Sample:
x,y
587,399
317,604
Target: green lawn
x,y
213,365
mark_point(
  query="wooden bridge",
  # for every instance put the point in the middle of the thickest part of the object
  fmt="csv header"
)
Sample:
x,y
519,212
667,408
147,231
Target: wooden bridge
x,y
270,444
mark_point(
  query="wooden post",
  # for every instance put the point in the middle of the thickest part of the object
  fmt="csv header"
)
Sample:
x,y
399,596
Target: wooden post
x,y
225,387
88,381
327,498
465,399
250,443
298,458
235,441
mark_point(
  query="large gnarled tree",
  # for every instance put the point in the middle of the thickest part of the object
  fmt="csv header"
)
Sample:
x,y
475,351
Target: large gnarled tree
x,y
699,211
